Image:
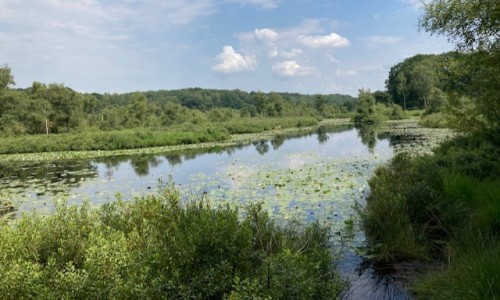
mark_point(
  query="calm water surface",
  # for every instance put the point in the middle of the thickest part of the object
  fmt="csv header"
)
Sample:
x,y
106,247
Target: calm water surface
x,y
315,176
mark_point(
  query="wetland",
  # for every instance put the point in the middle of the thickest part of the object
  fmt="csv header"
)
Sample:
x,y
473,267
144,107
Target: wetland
x,y
320,174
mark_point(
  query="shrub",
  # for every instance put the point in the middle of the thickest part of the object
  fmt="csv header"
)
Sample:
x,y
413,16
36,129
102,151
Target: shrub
x,y
443,206
434,120
154,247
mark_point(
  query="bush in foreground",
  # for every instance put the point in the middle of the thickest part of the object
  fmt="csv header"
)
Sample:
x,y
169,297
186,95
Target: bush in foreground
x,y
154,248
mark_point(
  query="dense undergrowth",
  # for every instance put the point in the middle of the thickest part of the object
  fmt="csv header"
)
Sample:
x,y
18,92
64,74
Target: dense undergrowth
x,y
187,133
155,248
444,206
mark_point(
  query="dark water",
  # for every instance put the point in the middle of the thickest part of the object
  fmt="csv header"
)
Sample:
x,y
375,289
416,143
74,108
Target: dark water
x,y
344,157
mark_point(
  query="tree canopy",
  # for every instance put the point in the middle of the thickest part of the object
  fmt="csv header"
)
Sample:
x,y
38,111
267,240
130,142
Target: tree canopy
x,y
474,27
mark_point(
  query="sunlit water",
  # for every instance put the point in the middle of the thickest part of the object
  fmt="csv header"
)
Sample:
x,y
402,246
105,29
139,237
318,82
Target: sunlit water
x,y
316,176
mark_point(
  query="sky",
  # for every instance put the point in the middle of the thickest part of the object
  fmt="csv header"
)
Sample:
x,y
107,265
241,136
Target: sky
x,y
304,46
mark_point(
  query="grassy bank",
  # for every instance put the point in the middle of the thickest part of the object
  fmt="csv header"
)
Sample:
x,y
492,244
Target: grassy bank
x,y
141,138
442,207
231,139
155,248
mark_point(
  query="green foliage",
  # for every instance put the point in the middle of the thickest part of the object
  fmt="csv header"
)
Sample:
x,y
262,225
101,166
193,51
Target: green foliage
x,y
6,77
472,272
473,26
369,111
256,125
382,97
112,140
366,112
434,120
441,206
154,247
54,108
186,133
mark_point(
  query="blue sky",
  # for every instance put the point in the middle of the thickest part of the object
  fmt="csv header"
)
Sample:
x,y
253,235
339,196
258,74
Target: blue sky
x,y
308,46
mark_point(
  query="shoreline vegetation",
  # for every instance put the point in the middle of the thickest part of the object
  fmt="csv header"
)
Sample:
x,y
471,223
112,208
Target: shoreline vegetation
x,y
276,128
444,208
155,247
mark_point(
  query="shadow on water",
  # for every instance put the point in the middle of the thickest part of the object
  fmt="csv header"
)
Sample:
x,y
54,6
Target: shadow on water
x,y
368,280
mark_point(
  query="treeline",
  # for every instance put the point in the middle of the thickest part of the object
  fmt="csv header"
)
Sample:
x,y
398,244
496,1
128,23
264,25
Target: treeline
x,y
54,108
420,81
461,84
207,99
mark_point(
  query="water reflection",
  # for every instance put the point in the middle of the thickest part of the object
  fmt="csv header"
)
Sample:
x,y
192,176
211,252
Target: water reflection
x,y
262,147
39,182
278,141
142,163
368,135
322,133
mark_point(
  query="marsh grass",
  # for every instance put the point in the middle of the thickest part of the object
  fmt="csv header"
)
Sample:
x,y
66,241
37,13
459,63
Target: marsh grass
x,y
183,134
471,273
441,207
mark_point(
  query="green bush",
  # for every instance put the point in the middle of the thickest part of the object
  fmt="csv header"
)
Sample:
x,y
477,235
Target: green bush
x,y
154,247
443,206
434,120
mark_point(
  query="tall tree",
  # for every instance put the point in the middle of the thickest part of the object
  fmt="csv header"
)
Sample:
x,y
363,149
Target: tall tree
x,y
6,78
474,27
422,82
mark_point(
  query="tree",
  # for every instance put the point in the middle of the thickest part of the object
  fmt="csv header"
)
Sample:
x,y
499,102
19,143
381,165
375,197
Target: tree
x,y
382,97
6,78
474,27
470,25
140,112
366,111
422,82
260,102
320,104
401,87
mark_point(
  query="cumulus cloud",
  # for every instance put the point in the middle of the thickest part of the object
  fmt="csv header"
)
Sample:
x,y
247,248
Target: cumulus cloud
x,y
332,40
290,68
231,61
266,35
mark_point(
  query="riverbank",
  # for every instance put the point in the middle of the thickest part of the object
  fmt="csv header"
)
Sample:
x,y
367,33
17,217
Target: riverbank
x,y
236,138
441,208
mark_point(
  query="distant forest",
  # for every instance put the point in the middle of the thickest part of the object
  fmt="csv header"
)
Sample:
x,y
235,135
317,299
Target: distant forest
x,y
54,108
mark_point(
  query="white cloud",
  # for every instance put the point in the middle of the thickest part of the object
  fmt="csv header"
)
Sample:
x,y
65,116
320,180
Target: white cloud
x,y
332,40
266,35
374,41
231,61
265,4
291,68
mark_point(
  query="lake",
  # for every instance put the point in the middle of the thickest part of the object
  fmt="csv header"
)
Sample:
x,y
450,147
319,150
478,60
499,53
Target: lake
x,y
318,175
